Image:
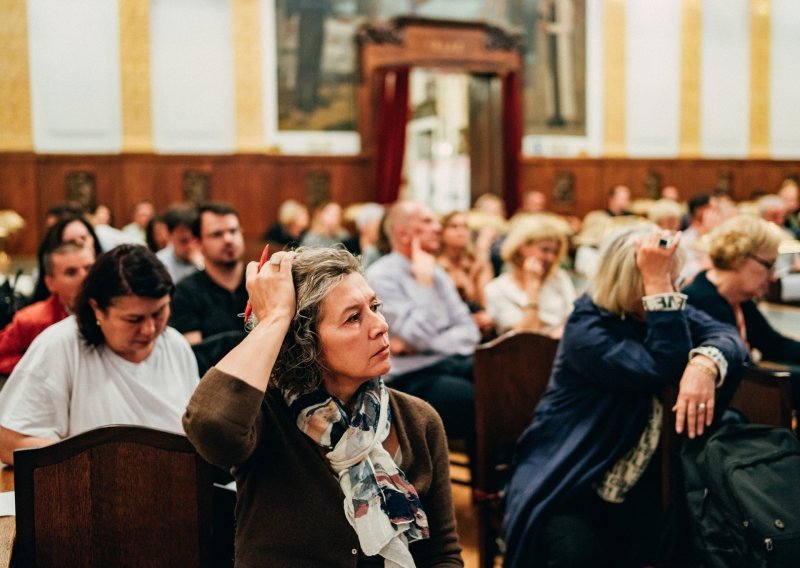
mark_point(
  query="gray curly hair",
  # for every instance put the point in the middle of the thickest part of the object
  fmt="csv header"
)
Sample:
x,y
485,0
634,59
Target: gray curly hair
x,y
315,271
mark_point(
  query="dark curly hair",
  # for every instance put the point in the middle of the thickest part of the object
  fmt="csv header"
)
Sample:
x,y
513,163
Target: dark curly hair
x,y
315,271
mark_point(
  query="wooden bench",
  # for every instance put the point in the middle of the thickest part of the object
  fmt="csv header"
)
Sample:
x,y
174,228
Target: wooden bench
x,y
114,496
511,374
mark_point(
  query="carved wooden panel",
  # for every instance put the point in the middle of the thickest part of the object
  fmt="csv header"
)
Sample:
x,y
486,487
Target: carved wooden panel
x,y
256,184
465,47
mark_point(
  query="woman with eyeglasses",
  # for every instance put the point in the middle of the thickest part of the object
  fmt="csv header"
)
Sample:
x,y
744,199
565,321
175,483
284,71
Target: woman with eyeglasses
x,y
743,252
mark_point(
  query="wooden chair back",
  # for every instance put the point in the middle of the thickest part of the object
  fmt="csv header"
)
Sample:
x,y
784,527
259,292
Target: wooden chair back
x,y
765,396
114,496
511,374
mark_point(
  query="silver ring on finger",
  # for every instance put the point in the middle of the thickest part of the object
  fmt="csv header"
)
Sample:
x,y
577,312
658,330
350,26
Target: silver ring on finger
x,y
701,406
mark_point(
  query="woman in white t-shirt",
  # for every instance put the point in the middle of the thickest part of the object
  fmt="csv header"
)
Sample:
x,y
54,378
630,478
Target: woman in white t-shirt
x,y
114,362
536,295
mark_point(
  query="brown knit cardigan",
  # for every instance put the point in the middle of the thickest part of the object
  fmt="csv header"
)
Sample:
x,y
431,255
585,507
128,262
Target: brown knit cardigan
x,y
290,506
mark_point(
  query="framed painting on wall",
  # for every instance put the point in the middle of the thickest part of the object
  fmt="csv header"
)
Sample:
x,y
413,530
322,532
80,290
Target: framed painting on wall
x,y
311,76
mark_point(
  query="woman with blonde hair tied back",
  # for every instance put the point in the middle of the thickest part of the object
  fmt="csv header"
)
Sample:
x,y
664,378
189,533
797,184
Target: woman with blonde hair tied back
x,y
586,488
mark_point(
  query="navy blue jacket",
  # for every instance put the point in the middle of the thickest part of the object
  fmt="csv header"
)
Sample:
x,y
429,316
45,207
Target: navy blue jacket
x,y
597,404
760,334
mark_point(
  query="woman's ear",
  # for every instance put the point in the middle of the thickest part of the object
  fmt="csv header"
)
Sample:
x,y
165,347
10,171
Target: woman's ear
x,y
96,309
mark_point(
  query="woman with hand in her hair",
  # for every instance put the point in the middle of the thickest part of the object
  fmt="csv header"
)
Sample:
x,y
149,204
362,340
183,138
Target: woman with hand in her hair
x,y
586,489
332,468
536,295
114,362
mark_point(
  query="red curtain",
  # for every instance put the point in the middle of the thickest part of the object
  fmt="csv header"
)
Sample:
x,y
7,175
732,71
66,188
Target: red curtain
x,y
512,139
390,134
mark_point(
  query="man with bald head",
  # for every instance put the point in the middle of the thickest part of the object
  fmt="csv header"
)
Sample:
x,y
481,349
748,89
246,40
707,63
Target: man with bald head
x,y
432,334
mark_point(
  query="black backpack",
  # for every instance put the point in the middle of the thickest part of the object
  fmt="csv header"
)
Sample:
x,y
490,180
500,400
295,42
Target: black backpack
x,y
743,496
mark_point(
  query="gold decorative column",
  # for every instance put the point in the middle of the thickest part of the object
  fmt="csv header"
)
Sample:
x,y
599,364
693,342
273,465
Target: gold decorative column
x,y
614,77
691,36
134,52
247,63
760,38
15,92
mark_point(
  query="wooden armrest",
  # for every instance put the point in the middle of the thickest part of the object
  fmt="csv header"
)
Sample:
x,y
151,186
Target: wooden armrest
x,y
765,396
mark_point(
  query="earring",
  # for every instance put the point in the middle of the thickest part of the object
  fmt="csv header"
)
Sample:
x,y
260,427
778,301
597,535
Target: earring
x,y
98,323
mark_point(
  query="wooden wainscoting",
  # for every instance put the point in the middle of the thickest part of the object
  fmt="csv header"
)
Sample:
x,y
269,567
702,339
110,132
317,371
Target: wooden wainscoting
x,y
254,184
257,183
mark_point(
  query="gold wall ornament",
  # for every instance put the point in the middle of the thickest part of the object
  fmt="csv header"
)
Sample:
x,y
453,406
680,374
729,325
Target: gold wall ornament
x,y
15,93
196,186
318,188
653,182
614,22
564,188
760,41
247,31
690,78
82,189
134,53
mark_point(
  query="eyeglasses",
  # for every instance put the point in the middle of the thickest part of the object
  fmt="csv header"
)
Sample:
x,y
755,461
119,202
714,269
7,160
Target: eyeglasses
x,y
769,265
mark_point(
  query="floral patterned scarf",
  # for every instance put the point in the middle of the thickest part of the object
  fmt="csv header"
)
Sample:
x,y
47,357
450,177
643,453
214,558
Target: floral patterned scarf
x,y
379,502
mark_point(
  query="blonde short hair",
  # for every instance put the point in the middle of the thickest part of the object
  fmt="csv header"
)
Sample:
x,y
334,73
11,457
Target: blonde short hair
x,y
490,199
739,238
617,285
664,209
531,228
290,210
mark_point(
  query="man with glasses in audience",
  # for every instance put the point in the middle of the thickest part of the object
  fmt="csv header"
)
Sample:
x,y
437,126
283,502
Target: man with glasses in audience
x,y
207,304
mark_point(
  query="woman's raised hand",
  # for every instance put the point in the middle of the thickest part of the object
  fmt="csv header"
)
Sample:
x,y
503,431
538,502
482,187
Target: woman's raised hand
x,y
271,288
655,258
483,243
423,263
532,274
272,300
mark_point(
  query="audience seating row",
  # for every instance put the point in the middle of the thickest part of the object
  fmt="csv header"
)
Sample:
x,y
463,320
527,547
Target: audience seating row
x,y
132,496
120,496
